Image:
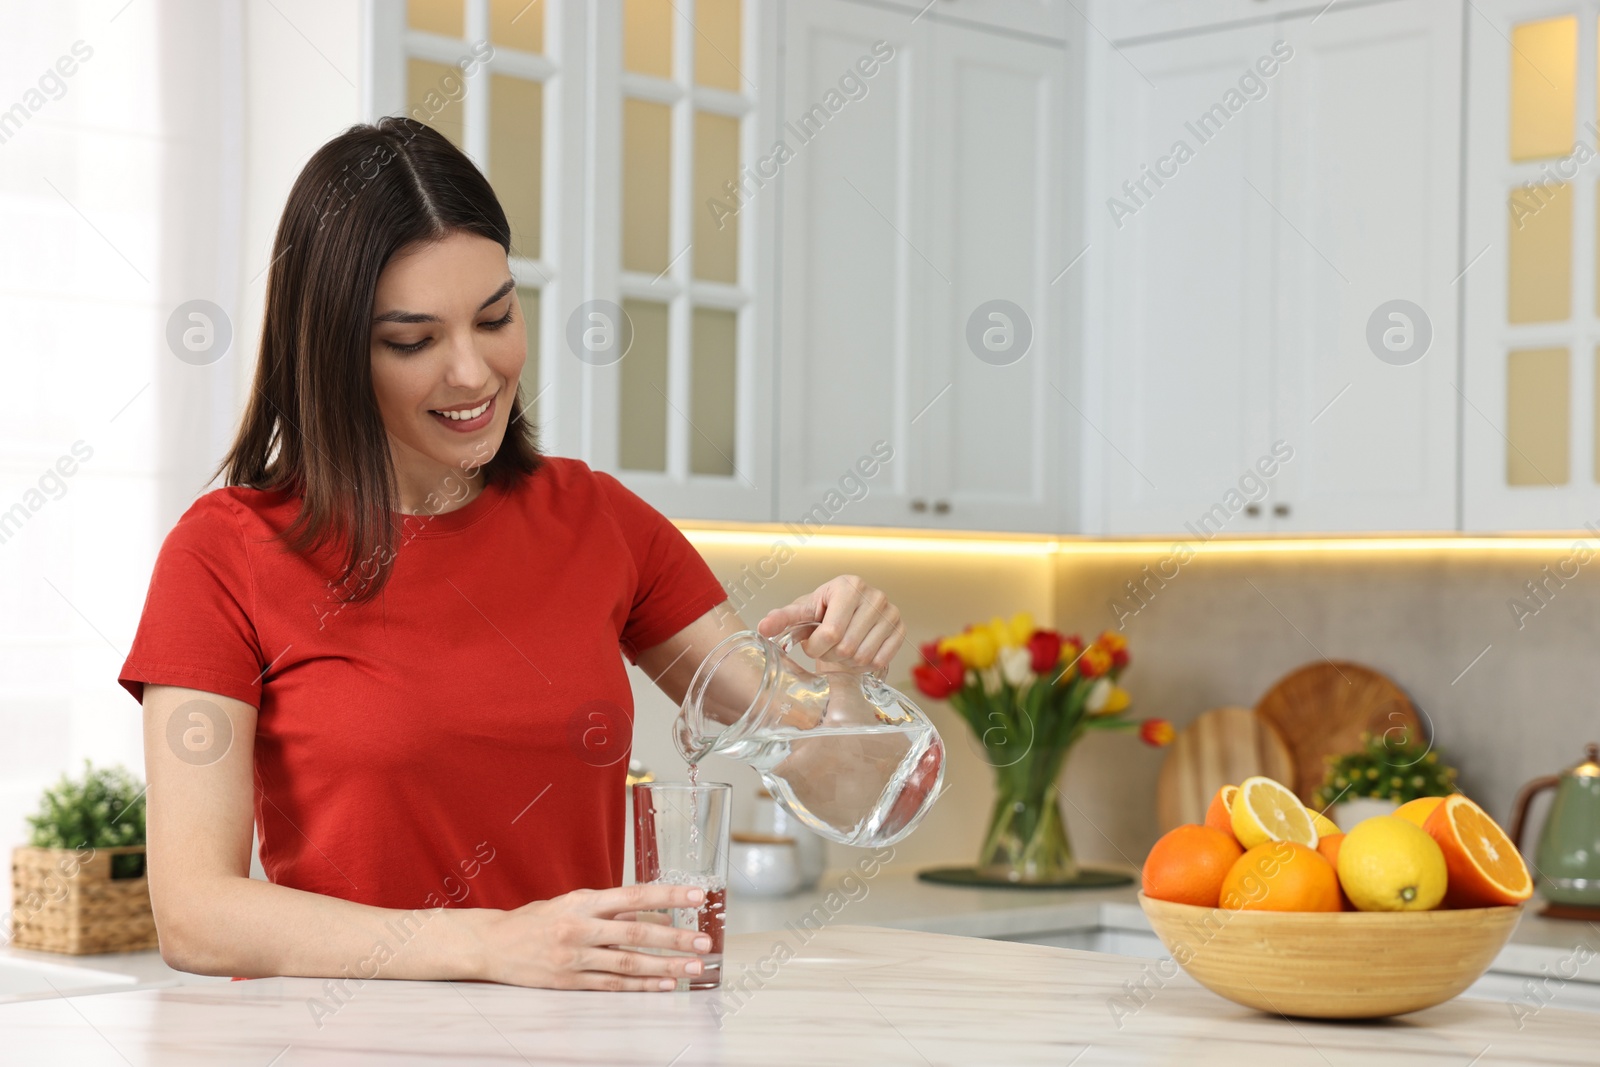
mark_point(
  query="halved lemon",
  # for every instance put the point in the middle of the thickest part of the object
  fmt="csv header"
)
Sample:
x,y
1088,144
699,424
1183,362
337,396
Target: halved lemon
x,y
1485,867
1266,810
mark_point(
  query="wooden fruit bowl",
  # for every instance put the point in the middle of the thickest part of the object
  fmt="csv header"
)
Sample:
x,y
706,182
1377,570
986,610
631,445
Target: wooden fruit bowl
x,y
1332,965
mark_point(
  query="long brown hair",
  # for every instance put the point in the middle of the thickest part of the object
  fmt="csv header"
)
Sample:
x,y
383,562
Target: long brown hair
x,y
312,427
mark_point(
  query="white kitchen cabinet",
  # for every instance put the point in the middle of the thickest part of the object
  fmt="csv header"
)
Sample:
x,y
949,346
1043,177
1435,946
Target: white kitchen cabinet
x,y
937,192
852,343
1123,19
681,276
996,166
1285,180
1530,379
1049,19
1368,157
1179,272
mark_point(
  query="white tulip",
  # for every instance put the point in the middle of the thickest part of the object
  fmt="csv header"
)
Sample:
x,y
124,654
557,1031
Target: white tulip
x,y
1098,697
1016,665
991,678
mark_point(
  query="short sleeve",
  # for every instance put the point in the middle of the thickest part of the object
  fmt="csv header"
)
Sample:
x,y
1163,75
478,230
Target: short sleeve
x,y
676,585
196,630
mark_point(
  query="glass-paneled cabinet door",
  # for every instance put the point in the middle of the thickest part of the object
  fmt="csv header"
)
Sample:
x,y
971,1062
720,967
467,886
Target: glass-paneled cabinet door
x,y
676,332
502,80
1531,384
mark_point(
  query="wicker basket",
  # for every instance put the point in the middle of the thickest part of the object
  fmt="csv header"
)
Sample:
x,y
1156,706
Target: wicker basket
x,y
68,901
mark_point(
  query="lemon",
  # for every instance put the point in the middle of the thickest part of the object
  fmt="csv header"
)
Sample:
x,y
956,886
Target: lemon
x,y
1265,810
1326,827
1390,864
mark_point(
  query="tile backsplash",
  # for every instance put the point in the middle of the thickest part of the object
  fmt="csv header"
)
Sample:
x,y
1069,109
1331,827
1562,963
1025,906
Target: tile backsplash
x,y
1509,690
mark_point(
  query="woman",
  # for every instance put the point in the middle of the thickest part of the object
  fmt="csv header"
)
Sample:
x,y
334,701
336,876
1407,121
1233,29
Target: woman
x,y
392,639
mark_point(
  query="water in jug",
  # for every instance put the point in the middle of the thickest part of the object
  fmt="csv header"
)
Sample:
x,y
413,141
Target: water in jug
x,y
848,755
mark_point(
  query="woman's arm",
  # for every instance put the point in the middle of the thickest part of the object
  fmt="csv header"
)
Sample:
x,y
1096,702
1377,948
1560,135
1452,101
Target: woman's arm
x,y
213,918
859,630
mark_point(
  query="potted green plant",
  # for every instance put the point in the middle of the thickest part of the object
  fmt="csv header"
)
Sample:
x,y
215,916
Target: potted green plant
x,y
1388,771
79,886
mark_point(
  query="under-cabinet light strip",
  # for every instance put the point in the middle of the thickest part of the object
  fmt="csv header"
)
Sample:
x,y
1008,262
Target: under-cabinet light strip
x,y
980,545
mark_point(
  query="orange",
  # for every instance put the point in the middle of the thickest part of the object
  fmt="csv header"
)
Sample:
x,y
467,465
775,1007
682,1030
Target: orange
x,y
1418,810
1328,847
1484,867
1281,876
1219,816
1187,865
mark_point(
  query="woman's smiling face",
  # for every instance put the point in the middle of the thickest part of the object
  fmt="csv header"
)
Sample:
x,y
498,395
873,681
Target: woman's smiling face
x,y
447,350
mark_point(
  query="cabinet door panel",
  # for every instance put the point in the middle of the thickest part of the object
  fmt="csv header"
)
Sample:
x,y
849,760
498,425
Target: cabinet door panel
x,y
1368,146
1138,18
995,145
1180,249
1531,374
1042,18
849,373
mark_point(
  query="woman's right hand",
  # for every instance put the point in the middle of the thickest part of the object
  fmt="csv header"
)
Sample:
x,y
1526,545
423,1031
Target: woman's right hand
x,y
575,941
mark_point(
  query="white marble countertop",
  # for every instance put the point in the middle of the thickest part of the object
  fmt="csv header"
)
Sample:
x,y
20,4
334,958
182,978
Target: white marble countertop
x,y
895,898
847,995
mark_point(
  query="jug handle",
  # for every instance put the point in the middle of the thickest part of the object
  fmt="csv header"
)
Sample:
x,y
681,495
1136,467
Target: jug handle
x,y
1519,810
786,640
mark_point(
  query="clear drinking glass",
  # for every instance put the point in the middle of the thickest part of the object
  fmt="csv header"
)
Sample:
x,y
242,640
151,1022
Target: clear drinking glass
x,y
680,837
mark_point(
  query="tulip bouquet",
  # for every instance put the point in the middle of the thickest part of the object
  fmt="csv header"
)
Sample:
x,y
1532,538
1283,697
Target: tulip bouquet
x,y
1029,695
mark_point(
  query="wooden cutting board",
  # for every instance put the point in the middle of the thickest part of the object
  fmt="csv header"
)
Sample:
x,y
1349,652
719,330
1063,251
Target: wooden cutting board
x,y
1322,709
1223,746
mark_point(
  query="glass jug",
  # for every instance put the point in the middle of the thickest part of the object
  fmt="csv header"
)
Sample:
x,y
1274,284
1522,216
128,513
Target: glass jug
x,y
848,755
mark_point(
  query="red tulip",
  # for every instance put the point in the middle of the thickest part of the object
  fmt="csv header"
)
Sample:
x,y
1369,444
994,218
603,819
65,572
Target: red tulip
x,y
1045,648
1094,662
1156,732
1117,645
940,678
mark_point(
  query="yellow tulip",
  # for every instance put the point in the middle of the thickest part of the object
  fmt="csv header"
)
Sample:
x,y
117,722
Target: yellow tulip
x,y
959,645
997,628
983,647
1021,628
1117,701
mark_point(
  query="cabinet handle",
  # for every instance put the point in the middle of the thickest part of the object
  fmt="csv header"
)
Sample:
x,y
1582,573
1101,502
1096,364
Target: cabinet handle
x,y
919,504
1280,510
941,506
1252,510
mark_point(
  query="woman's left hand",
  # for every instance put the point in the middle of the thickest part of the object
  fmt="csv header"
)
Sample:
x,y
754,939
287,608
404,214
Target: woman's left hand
x,y
859,629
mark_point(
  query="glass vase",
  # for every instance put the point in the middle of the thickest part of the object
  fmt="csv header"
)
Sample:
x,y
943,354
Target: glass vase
x,y
1027,837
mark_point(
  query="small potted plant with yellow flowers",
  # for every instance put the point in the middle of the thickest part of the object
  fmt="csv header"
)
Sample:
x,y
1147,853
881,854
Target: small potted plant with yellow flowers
x,y
1029,695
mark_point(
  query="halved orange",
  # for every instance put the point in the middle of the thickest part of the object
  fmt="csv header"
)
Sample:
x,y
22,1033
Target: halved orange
x,y
1219,815
1484,867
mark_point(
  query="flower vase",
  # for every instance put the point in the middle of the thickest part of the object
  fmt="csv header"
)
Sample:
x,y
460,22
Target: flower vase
x,y
1027,839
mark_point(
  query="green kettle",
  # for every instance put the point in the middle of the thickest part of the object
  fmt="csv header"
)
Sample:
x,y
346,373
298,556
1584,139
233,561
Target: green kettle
x,y
1567,860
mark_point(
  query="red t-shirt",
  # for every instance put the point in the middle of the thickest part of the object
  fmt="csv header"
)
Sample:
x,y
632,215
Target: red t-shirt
x,y
462,739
